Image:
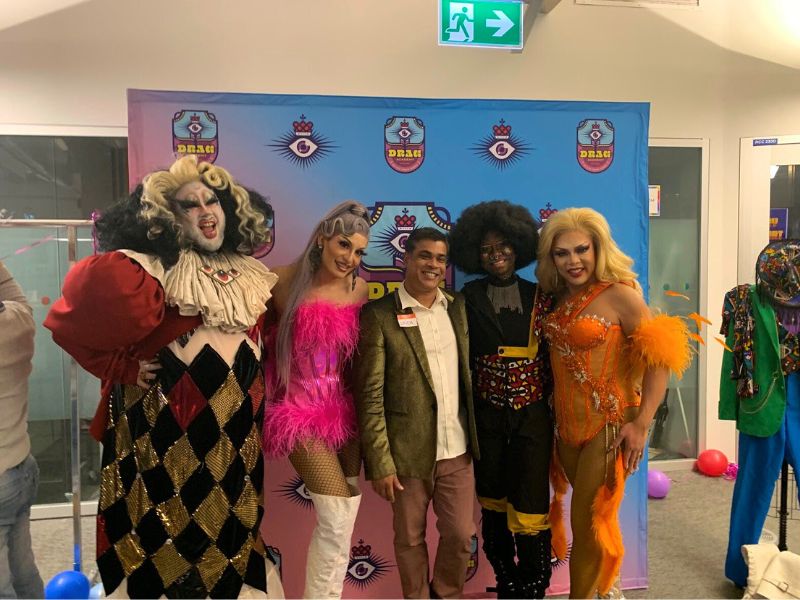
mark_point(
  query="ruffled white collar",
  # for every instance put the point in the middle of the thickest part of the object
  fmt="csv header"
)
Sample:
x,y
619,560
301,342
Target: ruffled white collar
x,y
229,290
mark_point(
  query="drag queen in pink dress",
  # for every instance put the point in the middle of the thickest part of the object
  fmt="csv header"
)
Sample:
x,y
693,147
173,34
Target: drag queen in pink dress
x,y
310,415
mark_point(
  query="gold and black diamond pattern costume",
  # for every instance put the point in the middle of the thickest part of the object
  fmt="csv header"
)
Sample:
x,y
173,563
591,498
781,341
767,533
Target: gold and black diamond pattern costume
x,y
182,467
182,476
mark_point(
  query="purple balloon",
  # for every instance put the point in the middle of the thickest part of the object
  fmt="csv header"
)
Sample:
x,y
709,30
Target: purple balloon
x,y
657,484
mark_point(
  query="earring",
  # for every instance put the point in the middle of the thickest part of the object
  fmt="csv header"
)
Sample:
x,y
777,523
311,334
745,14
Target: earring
x,y
355,276
315,257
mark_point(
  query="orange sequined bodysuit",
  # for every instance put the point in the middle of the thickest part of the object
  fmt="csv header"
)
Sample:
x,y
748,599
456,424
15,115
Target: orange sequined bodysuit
x,y
594,381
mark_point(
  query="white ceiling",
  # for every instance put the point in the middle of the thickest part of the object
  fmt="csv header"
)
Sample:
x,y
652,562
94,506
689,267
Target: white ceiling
x,y
14,12
765,29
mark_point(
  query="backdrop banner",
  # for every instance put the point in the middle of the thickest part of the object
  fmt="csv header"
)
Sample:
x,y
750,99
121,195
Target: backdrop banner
x,y
414,163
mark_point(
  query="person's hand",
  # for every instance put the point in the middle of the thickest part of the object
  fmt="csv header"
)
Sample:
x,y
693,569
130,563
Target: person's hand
x,y
386,487
632,437
147,373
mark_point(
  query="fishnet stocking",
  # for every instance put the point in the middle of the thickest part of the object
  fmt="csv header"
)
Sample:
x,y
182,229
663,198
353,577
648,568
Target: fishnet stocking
x,y
320,469
350,458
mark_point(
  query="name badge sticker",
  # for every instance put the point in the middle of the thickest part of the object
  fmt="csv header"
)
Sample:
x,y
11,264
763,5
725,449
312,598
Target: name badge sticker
x,y
407,320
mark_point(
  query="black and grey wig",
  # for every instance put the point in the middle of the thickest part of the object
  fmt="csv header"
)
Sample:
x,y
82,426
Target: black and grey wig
x,y
512,221
145,221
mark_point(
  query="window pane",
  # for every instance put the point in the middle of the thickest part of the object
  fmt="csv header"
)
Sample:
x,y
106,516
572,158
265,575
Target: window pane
x,y
43,177
61,177
675,266
37,258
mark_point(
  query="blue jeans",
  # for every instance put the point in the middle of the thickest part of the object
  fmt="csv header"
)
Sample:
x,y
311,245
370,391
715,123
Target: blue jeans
x,y
760,460
19,577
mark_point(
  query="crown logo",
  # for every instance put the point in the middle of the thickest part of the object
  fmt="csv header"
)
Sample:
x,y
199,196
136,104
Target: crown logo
x,y
501,130
362,551
547,212
405,222
303,128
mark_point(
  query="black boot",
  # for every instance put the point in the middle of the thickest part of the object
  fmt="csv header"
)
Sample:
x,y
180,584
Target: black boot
x,y
534,569
498,545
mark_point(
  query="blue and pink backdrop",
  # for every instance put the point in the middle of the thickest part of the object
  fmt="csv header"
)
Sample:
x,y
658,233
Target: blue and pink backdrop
x,y
414,162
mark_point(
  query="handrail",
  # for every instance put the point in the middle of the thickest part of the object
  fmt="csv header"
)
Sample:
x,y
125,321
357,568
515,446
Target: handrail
x,y
46,223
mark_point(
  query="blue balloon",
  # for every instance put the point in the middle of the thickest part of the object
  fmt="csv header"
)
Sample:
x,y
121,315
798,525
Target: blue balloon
x,y
68,584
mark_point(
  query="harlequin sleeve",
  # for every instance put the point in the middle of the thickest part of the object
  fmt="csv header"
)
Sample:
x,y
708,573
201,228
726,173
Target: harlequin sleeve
x,y
662,341
108,304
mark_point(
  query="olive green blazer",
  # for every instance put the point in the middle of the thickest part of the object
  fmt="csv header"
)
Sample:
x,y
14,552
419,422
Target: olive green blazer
x,y
393,390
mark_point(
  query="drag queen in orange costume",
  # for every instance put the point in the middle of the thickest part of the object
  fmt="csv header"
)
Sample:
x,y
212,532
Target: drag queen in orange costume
x,y
611,360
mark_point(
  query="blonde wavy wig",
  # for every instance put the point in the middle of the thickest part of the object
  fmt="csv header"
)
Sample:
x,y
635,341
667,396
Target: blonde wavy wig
x,y
611,263
160,187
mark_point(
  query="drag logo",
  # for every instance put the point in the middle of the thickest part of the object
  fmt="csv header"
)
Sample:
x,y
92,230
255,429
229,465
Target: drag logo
x,y
274,554
390,225
195,132
595,144
303,146
404,143
501,149
295,491
365,567
472,563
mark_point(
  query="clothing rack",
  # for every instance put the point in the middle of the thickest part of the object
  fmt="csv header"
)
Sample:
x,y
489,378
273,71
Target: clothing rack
x,y
783,506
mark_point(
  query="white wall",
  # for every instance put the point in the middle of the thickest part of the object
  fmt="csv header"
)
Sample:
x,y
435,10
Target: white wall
x,y
72,68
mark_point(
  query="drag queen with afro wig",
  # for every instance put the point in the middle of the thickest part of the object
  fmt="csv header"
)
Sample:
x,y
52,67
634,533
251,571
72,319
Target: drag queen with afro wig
x,y
611,360
512,386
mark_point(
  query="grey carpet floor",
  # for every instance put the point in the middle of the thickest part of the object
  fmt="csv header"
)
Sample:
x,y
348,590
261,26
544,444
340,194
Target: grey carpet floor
x,y
688,537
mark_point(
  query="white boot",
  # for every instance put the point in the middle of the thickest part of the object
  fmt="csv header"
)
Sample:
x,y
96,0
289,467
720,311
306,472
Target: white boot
x,y
329,550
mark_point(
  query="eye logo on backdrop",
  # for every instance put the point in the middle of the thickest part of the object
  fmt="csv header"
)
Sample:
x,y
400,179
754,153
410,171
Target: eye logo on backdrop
x,y
595,144
302,145
365,567
295,491
404,143
195,132
501,149
390,225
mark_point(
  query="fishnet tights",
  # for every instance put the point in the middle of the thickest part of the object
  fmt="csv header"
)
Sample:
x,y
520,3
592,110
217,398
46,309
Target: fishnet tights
x,y
323,470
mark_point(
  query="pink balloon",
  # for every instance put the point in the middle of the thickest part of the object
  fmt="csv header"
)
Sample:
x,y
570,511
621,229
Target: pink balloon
x,y
712,463
657,484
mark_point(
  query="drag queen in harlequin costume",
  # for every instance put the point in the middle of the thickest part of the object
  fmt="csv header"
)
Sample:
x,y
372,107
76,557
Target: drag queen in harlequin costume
x,y
611,360
310,414
169,319
512,388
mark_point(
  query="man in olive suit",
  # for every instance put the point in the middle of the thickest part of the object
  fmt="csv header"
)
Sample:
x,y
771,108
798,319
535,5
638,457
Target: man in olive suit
x,y
414,401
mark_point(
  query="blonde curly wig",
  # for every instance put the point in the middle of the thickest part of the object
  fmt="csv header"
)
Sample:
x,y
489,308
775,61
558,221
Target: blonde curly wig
x,y
160,187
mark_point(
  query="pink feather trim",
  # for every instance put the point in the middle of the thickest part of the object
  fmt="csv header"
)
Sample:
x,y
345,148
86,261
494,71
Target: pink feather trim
x,y
320,412
321,323
293,421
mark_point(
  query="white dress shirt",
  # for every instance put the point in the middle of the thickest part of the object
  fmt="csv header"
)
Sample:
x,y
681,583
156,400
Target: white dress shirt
x,y
442,353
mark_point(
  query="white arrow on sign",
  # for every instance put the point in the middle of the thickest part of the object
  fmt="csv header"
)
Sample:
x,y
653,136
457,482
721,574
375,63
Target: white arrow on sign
x,y
502,23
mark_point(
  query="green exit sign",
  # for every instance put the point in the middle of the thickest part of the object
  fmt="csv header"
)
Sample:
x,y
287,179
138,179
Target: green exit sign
x,y
483,23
